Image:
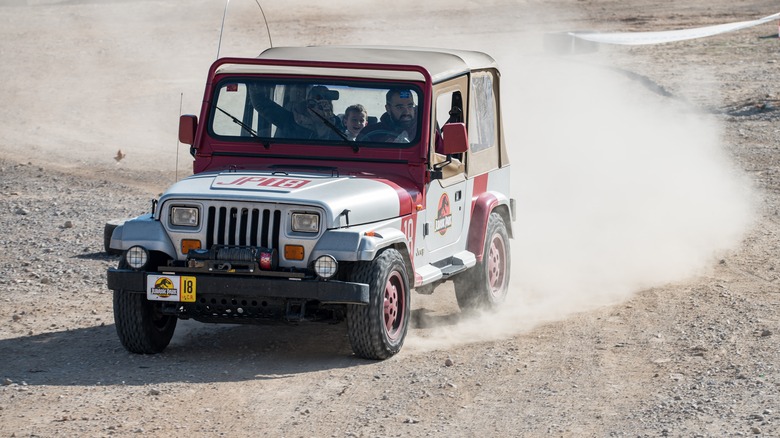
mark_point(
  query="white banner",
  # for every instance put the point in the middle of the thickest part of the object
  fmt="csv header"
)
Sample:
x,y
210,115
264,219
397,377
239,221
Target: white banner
x,y
640,38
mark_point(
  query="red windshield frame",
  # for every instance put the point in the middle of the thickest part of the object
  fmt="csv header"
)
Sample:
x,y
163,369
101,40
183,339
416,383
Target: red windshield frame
x,y
407,163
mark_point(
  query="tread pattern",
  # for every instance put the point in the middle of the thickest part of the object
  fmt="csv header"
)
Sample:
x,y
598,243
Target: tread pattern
x,y
139,329
366,323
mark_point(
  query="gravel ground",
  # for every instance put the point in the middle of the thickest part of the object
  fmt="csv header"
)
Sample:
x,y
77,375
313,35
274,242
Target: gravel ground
x,y
692,357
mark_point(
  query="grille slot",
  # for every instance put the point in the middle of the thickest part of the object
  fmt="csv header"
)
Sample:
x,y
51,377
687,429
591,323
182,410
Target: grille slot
x,y
239,225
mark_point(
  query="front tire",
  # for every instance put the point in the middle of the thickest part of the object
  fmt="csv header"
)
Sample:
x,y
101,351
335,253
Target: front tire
x,y
378,330
141,326
486,285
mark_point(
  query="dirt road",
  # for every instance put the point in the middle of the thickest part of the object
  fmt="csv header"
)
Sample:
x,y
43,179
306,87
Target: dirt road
x,y
645,297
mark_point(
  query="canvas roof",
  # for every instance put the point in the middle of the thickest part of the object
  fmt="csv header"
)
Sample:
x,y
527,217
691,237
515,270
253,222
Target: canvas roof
x,y
441,64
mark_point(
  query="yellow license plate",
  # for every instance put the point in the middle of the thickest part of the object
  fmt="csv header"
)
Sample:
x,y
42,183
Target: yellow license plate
x,y
188,287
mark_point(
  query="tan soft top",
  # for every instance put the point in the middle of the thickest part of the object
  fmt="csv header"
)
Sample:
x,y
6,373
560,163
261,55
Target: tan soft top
x,y
441,64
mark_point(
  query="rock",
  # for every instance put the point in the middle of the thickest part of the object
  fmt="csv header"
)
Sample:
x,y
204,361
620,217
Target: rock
x,y
449,362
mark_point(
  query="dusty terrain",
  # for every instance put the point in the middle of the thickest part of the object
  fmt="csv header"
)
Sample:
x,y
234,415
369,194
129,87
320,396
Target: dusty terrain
x,y
671,328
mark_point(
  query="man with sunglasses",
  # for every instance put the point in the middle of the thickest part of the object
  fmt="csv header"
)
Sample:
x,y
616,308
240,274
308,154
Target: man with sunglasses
x,y
312,118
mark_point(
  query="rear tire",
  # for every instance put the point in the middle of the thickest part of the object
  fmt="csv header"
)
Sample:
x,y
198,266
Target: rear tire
x,y
485,286
378,330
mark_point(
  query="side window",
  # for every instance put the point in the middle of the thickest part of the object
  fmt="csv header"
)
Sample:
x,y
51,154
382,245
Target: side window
x,y
449,108
450,98
482,112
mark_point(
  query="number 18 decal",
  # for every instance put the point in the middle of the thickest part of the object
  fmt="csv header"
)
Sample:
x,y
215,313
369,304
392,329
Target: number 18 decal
x,y
407,227
188,289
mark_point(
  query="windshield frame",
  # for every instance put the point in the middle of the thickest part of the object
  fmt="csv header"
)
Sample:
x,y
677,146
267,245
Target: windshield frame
x,y
265,137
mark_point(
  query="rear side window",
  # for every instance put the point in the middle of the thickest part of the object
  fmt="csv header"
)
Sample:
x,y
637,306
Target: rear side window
x,y
482,113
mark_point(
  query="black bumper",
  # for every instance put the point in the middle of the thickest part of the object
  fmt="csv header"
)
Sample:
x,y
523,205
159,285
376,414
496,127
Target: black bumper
x,y
252,287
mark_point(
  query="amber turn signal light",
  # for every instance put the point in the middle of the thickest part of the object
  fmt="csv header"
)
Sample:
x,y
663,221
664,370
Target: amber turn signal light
x,y
293,252
189,244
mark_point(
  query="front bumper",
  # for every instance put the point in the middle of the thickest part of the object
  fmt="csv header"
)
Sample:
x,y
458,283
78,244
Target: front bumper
x,y
252,287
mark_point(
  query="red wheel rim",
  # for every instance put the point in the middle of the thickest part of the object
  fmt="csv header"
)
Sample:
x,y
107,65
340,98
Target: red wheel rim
x,y
496,266
394,306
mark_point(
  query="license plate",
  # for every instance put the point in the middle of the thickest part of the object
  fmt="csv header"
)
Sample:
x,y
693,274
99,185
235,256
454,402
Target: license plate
x,y
177,288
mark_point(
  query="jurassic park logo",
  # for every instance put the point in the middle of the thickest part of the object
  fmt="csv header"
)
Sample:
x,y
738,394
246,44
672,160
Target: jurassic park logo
x,y
443,215
164,288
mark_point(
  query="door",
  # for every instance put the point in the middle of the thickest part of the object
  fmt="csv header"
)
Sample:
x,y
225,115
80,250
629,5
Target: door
x,y
447,209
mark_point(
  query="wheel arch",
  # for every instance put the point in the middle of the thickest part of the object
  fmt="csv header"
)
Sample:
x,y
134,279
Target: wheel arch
x,y
403,249
389,238
483,206
143,231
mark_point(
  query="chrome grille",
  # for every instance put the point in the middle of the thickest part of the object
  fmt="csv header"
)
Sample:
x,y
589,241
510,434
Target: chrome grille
x,y
243,226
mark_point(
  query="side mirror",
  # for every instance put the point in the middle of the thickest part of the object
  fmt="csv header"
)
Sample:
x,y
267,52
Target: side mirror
x,y
187,126
456,139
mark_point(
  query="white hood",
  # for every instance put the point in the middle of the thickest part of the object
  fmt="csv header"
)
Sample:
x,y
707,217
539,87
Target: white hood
x,y
367,199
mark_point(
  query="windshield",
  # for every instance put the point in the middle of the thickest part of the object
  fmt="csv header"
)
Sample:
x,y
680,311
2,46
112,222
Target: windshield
x,y
318,111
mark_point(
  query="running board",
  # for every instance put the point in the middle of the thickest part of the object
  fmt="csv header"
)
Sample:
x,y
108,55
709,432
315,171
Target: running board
x,y
446,268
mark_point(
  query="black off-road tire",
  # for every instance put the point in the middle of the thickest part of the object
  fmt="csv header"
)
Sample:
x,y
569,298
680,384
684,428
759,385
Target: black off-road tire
x,y
141,327
378,330
484,287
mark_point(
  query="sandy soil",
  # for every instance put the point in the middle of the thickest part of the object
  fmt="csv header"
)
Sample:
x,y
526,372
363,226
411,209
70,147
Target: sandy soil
x,y
645,285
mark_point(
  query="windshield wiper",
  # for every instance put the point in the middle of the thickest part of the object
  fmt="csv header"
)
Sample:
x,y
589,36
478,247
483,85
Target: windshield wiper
x,y
246,127
335,129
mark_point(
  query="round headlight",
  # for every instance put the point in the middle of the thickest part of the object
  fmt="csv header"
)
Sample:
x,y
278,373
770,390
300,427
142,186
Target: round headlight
x,y
326,266
136,257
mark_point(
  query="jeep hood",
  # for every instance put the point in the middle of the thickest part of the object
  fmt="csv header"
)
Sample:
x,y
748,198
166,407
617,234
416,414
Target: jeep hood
x,y
368,199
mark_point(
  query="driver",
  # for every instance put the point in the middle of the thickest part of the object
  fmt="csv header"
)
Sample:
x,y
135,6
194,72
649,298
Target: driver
x,y
398,124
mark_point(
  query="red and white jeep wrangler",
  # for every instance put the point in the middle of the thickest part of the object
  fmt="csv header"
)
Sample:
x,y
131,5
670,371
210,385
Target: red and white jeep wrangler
x,y
294,213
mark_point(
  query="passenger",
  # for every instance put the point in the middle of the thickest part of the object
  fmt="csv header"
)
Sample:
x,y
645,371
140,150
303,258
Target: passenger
x,y
355,119
398,124
312,118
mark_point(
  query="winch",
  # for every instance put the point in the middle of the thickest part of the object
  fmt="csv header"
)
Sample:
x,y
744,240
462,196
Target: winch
x,y
227,258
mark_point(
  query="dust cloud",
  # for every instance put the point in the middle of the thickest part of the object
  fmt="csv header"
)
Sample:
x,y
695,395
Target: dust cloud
x,y
618,189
